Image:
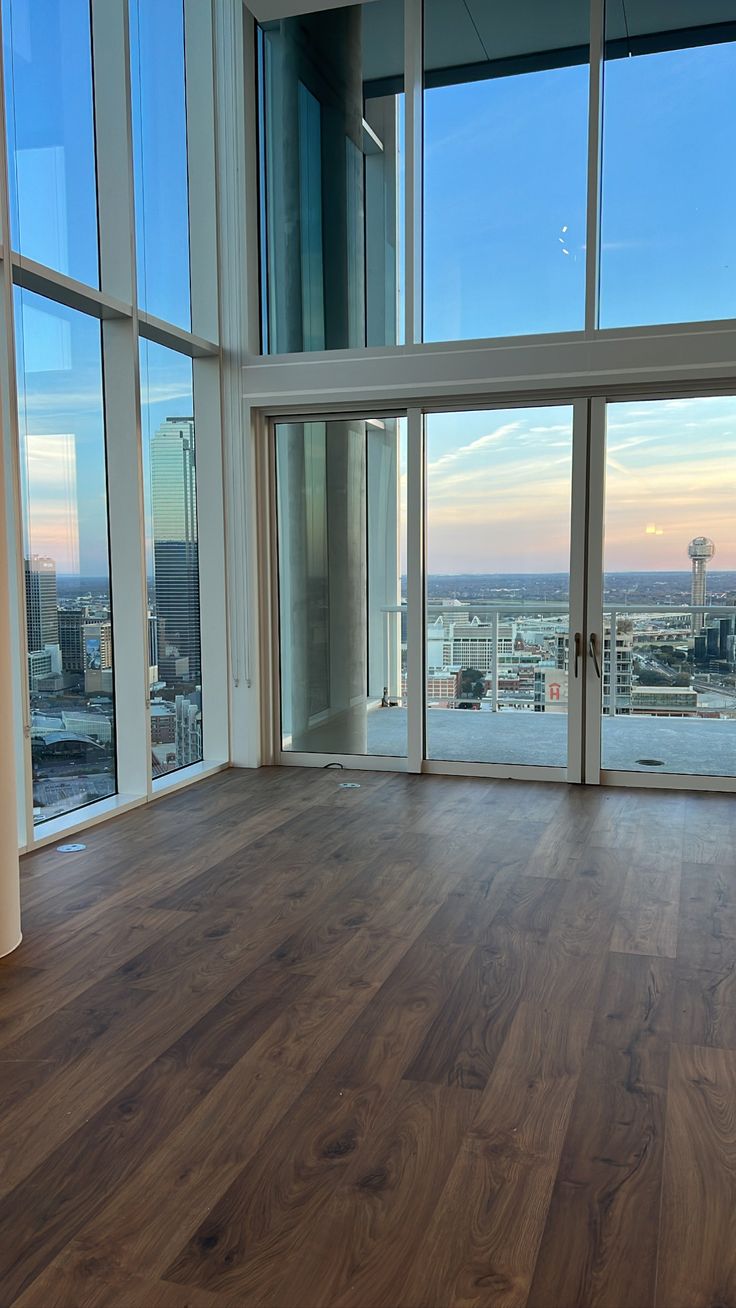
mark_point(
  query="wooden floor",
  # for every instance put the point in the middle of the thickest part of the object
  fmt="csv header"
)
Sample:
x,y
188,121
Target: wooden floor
x,y
427,1043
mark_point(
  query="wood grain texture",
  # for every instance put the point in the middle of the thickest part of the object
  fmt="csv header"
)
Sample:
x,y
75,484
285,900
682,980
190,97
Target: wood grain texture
x,y
697,1239
481,1245
600,1241
646,922
432,1043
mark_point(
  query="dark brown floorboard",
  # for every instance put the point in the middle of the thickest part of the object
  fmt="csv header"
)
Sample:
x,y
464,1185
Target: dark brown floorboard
x,y
431,1043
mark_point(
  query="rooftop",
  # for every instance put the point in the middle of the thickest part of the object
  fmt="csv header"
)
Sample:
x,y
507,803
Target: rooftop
x,y
690,746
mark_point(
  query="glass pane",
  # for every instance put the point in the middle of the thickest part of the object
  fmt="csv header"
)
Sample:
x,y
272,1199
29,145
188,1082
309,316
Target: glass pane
x,y
505,158
172,548
668,224
342,551
51,143
670,587
331,177
67,558
498,585
160,158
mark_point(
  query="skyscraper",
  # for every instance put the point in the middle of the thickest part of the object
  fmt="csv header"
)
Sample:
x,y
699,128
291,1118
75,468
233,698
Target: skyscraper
x,y
71,624
175,543
42,615
700,550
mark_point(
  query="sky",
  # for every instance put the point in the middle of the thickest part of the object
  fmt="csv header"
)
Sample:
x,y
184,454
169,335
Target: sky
x,y
498,486
54,221
505,177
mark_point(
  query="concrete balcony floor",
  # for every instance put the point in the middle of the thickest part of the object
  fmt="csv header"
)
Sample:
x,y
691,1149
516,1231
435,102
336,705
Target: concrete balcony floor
x,y
689,746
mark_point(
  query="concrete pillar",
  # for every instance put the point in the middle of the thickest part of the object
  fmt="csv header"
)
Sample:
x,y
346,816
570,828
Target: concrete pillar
x,y
322,583
314,179
9,865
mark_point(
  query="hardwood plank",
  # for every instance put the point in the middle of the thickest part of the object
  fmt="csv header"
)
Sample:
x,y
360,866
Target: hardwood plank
x,y
307,1030
380,1045
646,922
95,1286
241,1246
600,1241
584,920
299,1046
71,966
38,1055
705,1008
697,1244
707,924
481,1244
354,1255
141,1226
42,1213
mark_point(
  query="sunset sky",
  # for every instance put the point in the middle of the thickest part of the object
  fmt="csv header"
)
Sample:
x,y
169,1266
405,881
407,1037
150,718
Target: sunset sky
x,y
498,486
505,253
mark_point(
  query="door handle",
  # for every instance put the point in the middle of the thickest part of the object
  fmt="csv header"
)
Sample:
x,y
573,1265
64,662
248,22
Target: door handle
x,y
578,649
593,648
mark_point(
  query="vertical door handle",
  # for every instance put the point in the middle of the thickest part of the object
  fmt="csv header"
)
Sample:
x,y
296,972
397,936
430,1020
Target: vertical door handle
x,y
578,649
593,647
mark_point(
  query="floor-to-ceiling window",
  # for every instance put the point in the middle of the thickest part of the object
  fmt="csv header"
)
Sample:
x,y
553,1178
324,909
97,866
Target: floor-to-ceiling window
x,y
172,558
332,113
109,258
669,587
498,585
565,181
505,160
66,556
668,187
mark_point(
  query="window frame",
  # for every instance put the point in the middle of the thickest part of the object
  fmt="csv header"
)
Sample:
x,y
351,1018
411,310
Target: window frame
x,y
213,78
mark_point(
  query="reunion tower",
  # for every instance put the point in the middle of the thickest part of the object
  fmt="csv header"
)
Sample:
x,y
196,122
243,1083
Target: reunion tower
x,y
700,550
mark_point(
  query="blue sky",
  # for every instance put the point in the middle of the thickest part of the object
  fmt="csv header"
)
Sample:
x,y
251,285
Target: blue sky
x,y
504,254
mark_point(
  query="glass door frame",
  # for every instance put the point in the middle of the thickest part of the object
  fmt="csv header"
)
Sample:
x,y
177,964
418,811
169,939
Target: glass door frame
x,y
593,771
415,760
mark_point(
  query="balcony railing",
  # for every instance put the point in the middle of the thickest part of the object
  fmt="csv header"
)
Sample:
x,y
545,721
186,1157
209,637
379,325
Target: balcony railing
x,y
493,613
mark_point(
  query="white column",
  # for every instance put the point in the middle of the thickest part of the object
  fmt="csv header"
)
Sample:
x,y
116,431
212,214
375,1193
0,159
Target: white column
x,y
9,865
14,754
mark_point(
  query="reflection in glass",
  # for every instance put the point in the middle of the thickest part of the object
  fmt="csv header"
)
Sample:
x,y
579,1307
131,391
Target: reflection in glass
x,y
160,158
668,233
172,547
670,587
341,543
51,141
505,142
498,559
67,561
330,133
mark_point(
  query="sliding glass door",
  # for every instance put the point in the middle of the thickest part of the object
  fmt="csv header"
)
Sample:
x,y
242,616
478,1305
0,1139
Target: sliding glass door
x,y
498,586
545,592
341,541
667,603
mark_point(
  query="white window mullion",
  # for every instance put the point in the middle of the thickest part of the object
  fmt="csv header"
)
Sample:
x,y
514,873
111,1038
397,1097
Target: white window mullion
x,y
211,557
15,742
415,591
200,110
236,144
414,154
577,661
199,35
595,143
111,51
594,595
